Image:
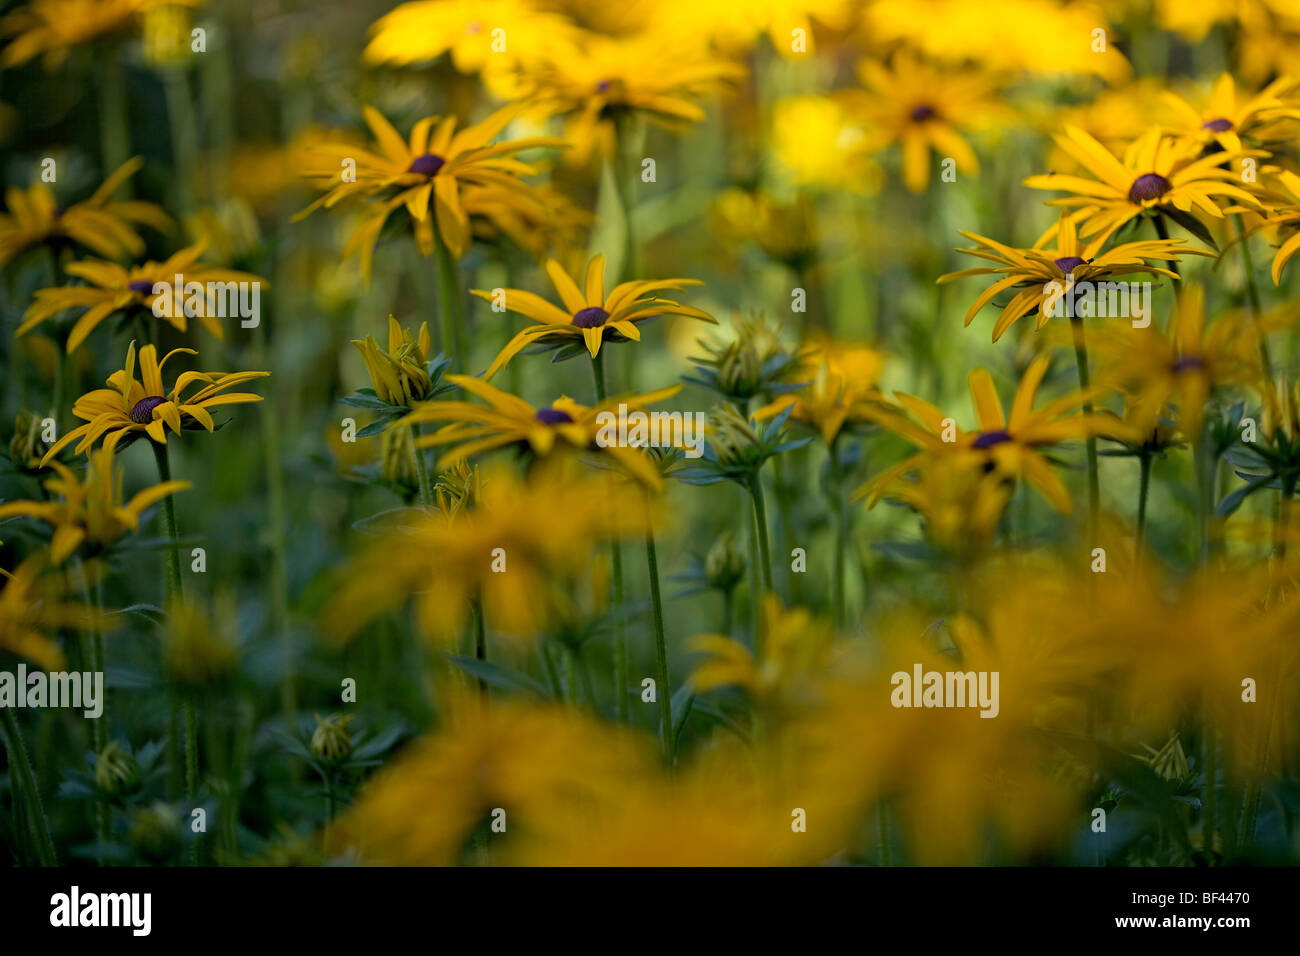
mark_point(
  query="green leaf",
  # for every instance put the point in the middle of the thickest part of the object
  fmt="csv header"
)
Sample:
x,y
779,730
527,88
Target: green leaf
x,y
498,676
1233,501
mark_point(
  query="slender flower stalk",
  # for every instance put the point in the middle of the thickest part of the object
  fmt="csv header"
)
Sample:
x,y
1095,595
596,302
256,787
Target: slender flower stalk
x,y
664,690
838,513
454,334
1144,487
616,578
37,822
1081,360
1252,293
175,592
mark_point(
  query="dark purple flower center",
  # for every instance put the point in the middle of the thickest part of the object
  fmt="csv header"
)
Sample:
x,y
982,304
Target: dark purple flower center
x,y
603,86
989,439
553,416
922,113
142,413
589,318
1068,264
143,286
1189,363
1148,186
1219,125
427,165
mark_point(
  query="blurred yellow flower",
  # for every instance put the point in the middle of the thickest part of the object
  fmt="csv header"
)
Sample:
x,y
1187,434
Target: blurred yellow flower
x,y
104,227
89,512
841,385
54,27
819,142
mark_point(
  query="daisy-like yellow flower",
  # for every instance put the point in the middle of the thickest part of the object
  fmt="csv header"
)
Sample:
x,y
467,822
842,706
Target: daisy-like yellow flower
x,y
1284,216
105,228
399,375
480,36
1157,173
820,141
1225,118
31,609
509,420
842,386
112,288
1181,366
89,512
603,80
1044,276
429,170
923,108
132,408
53,28
588,313
1006,447
548,527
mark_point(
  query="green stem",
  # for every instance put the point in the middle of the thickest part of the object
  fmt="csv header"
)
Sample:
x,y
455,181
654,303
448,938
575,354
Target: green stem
x,y
1081,360
174,594
621,710
625,172
421,468
760,517
36,819
114,132
449,299
841,531
1162,231
480,641
94,597
1252,295
1144,484
663,692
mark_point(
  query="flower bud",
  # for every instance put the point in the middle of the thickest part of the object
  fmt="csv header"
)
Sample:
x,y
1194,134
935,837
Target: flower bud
x,y
332,742
724,565
116,771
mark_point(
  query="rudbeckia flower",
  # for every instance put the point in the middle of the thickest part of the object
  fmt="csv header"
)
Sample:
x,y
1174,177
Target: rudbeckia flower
x,y
509,420
1008,447
430,170
923,108
588,314
841,385
105,228
1224,119
31,611
1041,277
133,408
1179,367
603,79
92,511
549,526
112,288
1156,174
55,27
1284,216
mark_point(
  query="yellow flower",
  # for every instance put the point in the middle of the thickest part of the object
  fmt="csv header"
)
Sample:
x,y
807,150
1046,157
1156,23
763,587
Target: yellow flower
x,y
1047,276
1181,366
549,768
1225,119
481,36
55,27
512,421
597,81
841,386
1284,216
738,27
1005,447
132,408
113,288
30,607
431,169
960,501
923,108
785,231
105,228
90,512
400,375
796,650
1156,172
200,643
588,314
819,142
539,531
